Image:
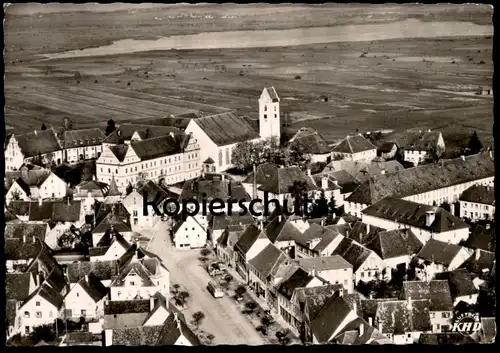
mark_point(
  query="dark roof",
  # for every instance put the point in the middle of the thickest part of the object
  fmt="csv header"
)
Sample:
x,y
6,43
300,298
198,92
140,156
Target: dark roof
x,y
38,142
227,128
363,170
352,252
209,160
332,182
27,178
47,293
110,236
394,243
117,307
315,297
96,188
173,328
272,94
136,268
398,317
136,336
414,214
160,146
309,141
114,220
346,181
384,147
479,194
327,237
276,180
16,249
10,312
481,238
93,286
104,210
79,337
120,151
324,325
103,270
283,230
363,232
223,221
57,211
460,282
424,178
438,252
19,207
29,230
17,286
82,138
419,140
438,292
298,279
350,334
354,144
248,238
152,190
324,263
269,257
445,338
369,306
126,131
479,261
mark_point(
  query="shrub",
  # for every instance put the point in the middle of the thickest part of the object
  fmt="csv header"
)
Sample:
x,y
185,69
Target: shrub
x,y
205,252
481,62
298,77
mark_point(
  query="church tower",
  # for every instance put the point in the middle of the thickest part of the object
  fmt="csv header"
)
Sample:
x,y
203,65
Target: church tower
x,y
269,114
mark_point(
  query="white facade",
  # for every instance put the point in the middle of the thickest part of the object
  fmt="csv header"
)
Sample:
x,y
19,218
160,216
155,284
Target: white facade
x,y
469,299
430,270
114,252
269,116
14,157
371,269
191,234
134,286
476,211
134,203
36,312
343,276
367,155
441,321
52,188
77,154
416,156
173,168
81,304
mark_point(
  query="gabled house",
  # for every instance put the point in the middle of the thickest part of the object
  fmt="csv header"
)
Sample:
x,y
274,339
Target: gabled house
x,y
403,321
278,275
366,264
461,284
24,148
20,252
420,145
226,242
437,256
283,233
261,266
325,326
481,263
342,179
218,224
441,304
23,230
299,279
309,142
103,270
190,233
18,287
386,150
355,148
395,247
358,332
250,244
423,220
333,269
134,203
40,308
47,271
86,298
34,184
113,220
363,170
82,144
89,192
176,332
111,246
363,232
329,187
478,203
139,277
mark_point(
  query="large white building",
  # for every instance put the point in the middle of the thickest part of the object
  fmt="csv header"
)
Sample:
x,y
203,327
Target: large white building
x,y
418,146
34,184
355,148
428,184
478,202
220,133
82,144
174,158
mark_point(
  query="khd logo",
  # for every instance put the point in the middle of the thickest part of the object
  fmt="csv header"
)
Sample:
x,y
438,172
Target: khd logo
x,y
467,324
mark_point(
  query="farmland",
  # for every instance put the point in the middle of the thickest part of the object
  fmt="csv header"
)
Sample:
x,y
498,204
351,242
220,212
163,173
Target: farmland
x,y
335,88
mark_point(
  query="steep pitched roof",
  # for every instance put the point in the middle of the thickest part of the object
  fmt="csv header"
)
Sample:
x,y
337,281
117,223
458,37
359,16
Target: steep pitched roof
x,y
324,263
324,325
173,328
363,232
314,298
307,140
82,138
126,131
346,181
248,238
351,333
354,144
118,209
16,249
363,170
103,270
119,151
222,189
38,142
439,252
479,261
112,220
398,317
160,146
394,243
272,94
94,288
47,293
17,286
96,189
460,282
283,230
424,178
414,214
27,178
352,252
112,307
298,279
19,230
227,128
479,194
269,257
481,238
135,268
419,140
57,211
136,336
152,190
438,292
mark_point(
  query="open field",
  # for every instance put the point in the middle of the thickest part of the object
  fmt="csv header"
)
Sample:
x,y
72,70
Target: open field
x,y
395,83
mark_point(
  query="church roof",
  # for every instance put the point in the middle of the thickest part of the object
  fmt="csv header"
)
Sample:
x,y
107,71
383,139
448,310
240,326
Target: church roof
x,y
113,188
227,128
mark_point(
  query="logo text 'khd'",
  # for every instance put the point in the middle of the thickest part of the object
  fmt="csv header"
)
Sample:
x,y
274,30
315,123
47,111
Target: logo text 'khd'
x,y
467,323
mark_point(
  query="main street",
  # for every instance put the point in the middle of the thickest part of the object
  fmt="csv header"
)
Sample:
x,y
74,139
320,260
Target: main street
x,y
222,317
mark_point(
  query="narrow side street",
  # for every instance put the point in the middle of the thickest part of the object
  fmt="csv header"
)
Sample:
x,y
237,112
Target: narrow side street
x,y
223,319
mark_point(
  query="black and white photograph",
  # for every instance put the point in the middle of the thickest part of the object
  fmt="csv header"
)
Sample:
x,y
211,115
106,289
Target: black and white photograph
x,y
248,174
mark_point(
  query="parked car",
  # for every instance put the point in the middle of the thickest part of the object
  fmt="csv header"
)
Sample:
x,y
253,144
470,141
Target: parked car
x,y
215,289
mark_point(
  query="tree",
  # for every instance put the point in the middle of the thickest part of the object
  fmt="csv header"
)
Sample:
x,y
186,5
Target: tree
x,y
475,145
205,252
210,338
181,298
228,278
66,240
297,158
283,337
321,207
250,307
43,128
197,318
15,195
129,189
175,289
266,321
298,189
110,127
240,290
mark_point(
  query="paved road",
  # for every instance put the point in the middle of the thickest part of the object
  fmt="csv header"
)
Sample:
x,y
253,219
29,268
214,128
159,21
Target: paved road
x,y
223,319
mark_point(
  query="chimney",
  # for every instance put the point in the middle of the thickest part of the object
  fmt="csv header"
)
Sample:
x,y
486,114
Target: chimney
x,y
172,134
361,329
370,321
24,238
430,216
410,303
87,278
324,183
151,303
355,307
40,201
261,225
382,171
34,239
488,226
478,254
463,158
254,182
367,229
323,221
309,171
69,203
89,194
38,280
36,133
280,218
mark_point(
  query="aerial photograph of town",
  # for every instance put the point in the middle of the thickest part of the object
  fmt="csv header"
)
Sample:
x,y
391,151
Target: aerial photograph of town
x,y
260,174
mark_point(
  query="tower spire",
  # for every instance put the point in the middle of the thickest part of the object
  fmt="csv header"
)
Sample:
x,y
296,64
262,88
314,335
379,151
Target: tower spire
x,y
113,188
